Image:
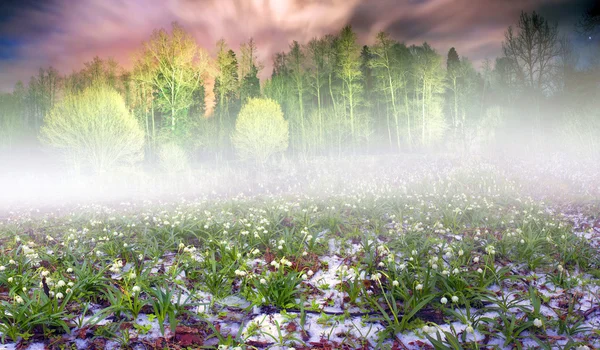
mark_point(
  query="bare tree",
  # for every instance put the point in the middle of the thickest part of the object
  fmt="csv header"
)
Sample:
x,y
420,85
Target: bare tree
x,y
533,49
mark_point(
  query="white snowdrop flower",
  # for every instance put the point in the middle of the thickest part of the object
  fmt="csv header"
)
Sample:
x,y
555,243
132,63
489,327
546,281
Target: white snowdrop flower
x,y
60,284
522,241
470,329
444,300
59,295
376,276
419,286
12,262
24,289
537,322
434,266
381,264
455,271
2,268
68,291
10,280
476,259
454,299
136,289
480,270
461,252
445,272
402,266
70,284
560,268
395,283
263,281
414,252
310,272
304,253
280,247
19,300
69,270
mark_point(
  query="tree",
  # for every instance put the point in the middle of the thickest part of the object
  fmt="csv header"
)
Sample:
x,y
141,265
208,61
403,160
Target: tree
x,y
316,75
589,23
348,69
250,86
532,50
296,72
260,130
226,85
429,84
248,71
178,67
42,94
390,70
12,125
94,129
454,74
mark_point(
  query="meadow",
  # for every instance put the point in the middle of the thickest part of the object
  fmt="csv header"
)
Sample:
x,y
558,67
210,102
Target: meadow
x,y
389,253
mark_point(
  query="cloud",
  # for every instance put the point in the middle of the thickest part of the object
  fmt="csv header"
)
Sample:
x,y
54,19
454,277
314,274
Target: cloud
x,y
66,33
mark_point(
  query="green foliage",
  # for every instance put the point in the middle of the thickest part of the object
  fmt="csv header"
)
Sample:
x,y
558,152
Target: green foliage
x,y
260,131
93,129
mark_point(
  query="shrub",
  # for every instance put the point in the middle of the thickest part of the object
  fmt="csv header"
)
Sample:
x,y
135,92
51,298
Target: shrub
x,y
94,129
173,158
260,130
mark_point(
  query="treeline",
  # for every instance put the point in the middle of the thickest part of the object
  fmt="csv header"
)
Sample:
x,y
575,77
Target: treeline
x,y
338,96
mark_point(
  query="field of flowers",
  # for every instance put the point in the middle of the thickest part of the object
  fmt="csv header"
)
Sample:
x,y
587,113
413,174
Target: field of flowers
x,y
374,255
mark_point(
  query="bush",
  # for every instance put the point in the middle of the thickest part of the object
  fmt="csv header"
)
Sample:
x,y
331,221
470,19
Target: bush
x,y
94,129
173,158
260,130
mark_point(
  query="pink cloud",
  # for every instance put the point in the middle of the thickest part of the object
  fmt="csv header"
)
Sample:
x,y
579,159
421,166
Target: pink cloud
x,y
68,33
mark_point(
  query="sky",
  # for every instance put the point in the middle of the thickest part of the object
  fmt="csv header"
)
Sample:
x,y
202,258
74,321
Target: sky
x,y
66,33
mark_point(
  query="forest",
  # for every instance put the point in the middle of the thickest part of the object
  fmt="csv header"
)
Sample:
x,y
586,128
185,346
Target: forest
x,y
178,104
